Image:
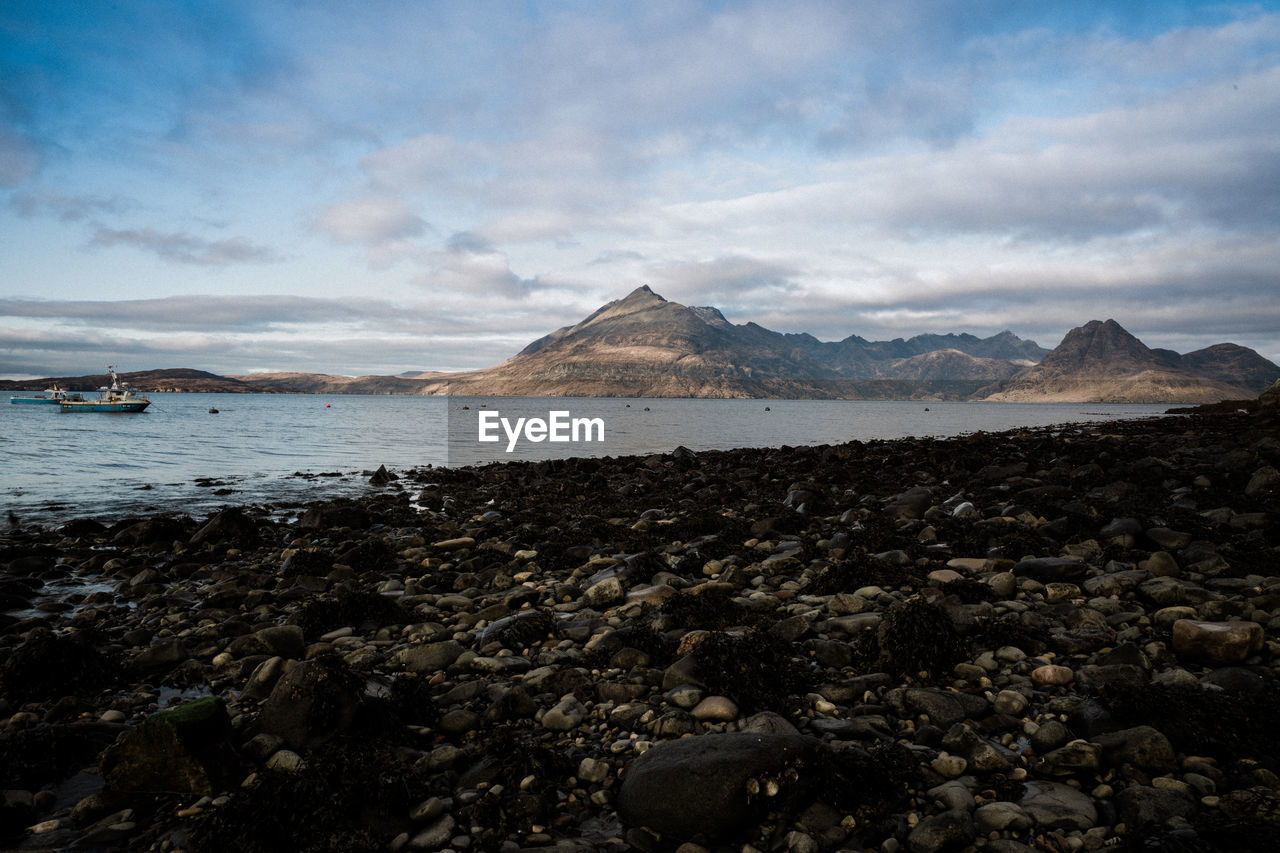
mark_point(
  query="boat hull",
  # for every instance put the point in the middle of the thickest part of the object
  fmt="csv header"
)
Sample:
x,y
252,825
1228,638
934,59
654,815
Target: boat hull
x,y
92,406
28,400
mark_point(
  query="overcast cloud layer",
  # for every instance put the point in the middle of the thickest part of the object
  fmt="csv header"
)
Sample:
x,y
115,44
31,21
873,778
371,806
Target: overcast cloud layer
x,y
388,186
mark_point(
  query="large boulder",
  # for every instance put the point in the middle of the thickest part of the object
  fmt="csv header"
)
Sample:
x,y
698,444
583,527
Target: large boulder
x,y
710,785
311,703
185,750
230,527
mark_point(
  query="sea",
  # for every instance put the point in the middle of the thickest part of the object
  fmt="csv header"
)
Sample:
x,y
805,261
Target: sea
x,y
194,453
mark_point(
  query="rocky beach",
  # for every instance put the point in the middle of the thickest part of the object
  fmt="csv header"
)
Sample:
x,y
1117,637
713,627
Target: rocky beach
x,y
1057,639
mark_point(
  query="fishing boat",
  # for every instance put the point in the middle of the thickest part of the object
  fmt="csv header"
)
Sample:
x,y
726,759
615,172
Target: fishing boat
x,y
114,399
51,395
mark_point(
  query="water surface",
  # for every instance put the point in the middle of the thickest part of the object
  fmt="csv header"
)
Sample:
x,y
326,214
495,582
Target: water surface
x,y
273,448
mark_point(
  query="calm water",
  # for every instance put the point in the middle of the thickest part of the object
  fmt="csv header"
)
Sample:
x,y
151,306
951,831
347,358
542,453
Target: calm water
x,y
257,448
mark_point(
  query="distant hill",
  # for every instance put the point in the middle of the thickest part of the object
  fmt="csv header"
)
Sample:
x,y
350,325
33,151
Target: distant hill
x,y
170,379
1102,362
323,383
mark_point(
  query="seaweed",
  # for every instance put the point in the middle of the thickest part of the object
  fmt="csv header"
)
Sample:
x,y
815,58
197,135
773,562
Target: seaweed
x,y
710,611
50,665
353,796
917,637
356,609
1226,725
754,669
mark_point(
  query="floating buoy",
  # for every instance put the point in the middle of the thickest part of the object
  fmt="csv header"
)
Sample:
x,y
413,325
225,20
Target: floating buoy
x,y
213,411
767,409
328,405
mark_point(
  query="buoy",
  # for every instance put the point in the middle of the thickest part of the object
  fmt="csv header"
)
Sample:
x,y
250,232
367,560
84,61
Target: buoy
x,y
327,405
213,411
767,409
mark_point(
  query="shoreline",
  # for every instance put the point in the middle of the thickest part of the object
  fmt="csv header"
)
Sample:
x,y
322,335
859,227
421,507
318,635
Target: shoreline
x,y
1007,631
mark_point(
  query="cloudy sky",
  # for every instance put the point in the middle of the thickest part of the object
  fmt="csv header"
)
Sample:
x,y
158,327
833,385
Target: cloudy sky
x,y
378,187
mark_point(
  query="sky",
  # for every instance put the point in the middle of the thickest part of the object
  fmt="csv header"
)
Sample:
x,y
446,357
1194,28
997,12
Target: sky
x,y
381,187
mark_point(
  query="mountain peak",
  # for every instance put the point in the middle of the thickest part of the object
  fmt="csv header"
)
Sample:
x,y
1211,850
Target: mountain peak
x,y
641,294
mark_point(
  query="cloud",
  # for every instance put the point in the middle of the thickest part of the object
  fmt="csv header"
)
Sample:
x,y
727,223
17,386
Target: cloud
x,y
745,282
475,269
187,248
204,312
68,208
19,158
371,221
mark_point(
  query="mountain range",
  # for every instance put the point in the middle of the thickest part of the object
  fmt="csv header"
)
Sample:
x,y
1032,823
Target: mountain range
x,y
646,346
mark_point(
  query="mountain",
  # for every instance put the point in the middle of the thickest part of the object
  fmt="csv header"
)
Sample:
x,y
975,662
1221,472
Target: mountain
x,y
644,345
1102,362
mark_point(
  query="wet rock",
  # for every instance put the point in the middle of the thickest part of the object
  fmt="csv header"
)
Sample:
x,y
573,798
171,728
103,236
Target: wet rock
x,y
1000,816
1264,480
944,708
1142,746
1216,643
183,750
715,709
910,504
286,641
1142,806
429,657
162,653
156,530
311,703
231,527
604,593
951,829
1053,805
1077,757
1049,569
708,785
565,716
1052,675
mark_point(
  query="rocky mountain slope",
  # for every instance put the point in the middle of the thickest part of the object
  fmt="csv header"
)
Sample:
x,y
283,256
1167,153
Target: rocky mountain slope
x,y
1102,362
644,345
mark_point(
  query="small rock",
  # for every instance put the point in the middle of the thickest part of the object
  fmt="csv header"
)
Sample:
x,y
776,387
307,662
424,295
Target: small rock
x,y
1052,674
1216,642
715,709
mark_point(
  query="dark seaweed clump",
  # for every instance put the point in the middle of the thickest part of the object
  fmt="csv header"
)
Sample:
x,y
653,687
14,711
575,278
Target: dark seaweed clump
x,y
354,796
754,669
49,665
510,755
709,611
870,784
969,591
357,609
917,637
1007,630
1226,725
850,574
660,649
